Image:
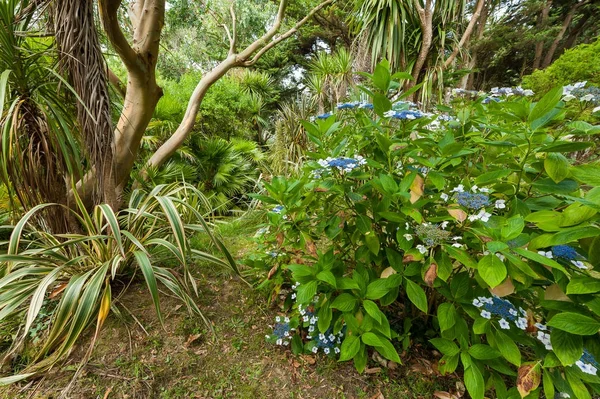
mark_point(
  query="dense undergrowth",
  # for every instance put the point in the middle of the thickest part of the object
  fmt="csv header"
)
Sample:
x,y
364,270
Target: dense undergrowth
x,y
475,230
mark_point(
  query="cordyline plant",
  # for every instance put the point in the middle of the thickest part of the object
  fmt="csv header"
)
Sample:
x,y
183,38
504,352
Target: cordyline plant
x,y
73,274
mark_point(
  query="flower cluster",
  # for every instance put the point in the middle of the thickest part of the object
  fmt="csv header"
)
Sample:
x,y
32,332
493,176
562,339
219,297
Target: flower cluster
x,y
355,104
328,342
463,92
475,201
510,91
342,164
278,209
488,100
322,116
495,306
588,363
282,331
432,234
406,114
590,94
568,90
564,253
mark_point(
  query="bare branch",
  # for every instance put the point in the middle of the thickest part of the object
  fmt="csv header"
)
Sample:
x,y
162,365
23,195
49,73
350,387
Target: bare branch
x,y
467,33
264,39
287,34
146,38
233,40
108,15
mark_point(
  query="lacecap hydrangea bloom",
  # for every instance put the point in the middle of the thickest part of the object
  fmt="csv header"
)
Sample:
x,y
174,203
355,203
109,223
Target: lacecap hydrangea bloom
x,y
499,307
282,331
354,104
342,164
566,254
406,114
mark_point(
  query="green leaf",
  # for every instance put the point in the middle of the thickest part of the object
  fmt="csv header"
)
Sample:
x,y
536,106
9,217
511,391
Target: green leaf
x,y
474,382
556,166
373,310
508,348
514,226
587,174
416,294
546,104
483,352
371,339
567,347
344,302
372,242
306,292
583,285
445,346
349,348
327,277
378,288
148,272
578,387
325,316
388,351
575,323
548,384
446,316
492,270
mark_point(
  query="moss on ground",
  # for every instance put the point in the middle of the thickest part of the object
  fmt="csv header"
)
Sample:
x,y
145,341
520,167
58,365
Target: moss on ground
x,y
138,358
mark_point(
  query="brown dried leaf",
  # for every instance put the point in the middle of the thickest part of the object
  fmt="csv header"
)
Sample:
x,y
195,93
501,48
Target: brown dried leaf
x,y
279,239
408,259
311,248
272,271
378,395
388,271
309,359
321,189
504,289
57,290
555,293
431,274
444,395
528,378
373,370
458,214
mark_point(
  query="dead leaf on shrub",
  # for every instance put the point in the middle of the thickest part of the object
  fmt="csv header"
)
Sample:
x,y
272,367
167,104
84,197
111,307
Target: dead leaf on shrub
x,y
555,293
373,370
504,289
388,271
528,378
311,248
280,239
416,189
458,214
408,259
431,274
272,271
57,290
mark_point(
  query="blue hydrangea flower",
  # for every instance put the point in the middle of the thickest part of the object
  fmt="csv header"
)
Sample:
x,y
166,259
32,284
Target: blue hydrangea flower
x,y
495,306
404,114
488,100
365,105
342,164
587,363
282,332
278,209
472,201
347,105
565,252
330,343
324,116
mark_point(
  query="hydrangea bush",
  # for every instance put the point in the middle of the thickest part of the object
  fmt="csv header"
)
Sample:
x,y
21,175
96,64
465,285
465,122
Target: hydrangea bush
x,y
481,234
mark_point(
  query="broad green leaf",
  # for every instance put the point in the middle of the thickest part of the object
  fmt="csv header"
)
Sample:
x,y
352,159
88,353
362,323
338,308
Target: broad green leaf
x,y
492,270
508,348
474,382
583,285
567,347
349,347
371,339
546,104
483,352
556,166
344,302
445,346
416,294
306,292
575,323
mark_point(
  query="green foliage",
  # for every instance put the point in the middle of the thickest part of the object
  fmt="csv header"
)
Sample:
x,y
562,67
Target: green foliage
x,y
75,275
481,231
581,63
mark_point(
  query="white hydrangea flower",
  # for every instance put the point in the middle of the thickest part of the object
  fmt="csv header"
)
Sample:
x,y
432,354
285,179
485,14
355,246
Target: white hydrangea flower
x,y
458,189
586,367
579,264
547,254
422,249
326,350
541,326
597,109
486,314
458,245
587,97
444,224
569,97
315,349
278,319
477,302
500,204
521,323
504,324
444,197
474,188
408,237
484,190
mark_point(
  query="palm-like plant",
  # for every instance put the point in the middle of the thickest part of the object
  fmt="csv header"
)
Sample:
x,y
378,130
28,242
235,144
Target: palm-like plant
x,y
76,272
291,141
40,149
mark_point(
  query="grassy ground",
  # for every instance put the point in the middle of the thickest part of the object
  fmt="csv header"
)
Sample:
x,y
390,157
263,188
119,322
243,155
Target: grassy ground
x,y
140,359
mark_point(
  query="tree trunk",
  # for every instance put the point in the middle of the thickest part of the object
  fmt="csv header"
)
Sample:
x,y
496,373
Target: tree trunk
x,y
541,25
574,33
561,33
426,19
467,80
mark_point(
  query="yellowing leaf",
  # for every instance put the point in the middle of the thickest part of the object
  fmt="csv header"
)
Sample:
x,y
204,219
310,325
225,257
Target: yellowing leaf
x,y
555,293
416,189
388,271
528,378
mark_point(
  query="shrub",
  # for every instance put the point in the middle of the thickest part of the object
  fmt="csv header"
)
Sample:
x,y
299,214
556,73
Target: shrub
x,y
581,63
477,231
57,286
